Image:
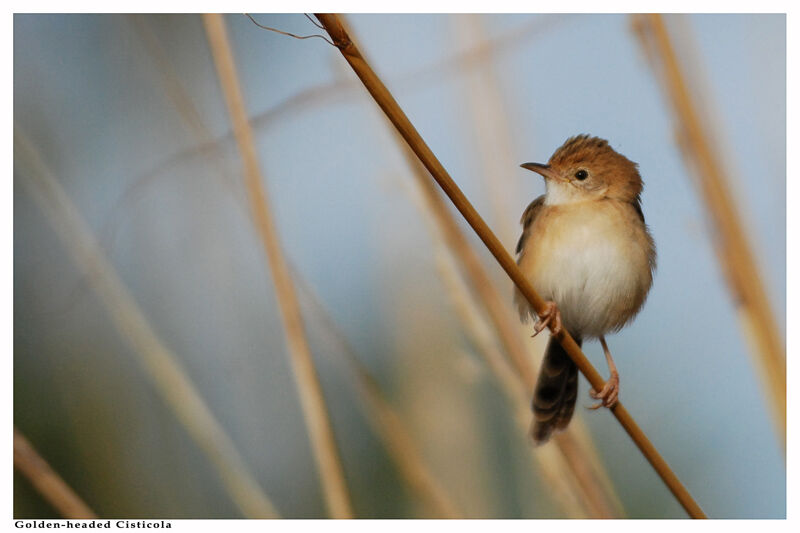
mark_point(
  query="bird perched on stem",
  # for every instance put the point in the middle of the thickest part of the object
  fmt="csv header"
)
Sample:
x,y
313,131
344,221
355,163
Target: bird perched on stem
x,y
586,249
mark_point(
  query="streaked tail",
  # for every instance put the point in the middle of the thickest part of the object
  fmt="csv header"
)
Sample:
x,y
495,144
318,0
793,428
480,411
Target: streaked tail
x,y
555,393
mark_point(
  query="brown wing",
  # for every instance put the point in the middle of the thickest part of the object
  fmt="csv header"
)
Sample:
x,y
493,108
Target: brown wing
x,y
637,205
651,252
528,216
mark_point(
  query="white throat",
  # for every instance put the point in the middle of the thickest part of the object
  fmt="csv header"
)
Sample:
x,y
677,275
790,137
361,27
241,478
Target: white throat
x,y
561,192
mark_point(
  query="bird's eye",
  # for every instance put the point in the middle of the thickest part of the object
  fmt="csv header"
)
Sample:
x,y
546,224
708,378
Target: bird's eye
x,y
581,175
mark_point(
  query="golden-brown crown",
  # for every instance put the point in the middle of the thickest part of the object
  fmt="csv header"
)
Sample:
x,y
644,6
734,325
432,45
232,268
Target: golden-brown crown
x,y
618,172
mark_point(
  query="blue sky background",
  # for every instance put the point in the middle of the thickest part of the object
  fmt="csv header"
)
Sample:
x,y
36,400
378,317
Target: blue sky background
x,y
170,211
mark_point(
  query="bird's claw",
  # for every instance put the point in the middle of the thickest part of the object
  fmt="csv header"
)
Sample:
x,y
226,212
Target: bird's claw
x,y
551,315
609,395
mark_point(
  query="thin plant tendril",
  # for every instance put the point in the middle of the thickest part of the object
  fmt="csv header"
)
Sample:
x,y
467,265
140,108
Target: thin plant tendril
x,y
291,34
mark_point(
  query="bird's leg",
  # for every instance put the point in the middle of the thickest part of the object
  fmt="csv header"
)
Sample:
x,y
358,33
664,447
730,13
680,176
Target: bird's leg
x,y
610,393
551,314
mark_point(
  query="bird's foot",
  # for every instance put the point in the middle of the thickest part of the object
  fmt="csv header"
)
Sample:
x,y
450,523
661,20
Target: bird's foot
x,y
551,315
609,395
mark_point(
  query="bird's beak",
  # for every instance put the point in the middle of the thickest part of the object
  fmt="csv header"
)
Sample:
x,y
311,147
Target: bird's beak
x,y
545,170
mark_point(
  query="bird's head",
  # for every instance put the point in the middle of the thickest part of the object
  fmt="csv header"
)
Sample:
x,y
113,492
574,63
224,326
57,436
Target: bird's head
x,y
586,168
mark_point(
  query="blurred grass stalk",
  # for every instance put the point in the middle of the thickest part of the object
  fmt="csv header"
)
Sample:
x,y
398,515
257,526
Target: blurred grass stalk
x,y
736,257
158,361
47,482
385,421
315,411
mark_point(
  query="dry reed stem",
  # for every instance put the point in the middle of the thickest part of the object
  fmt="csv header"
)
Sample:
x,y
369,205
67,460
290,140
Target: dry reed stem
x,y
592,483
47,481
734,252
389,105
480,281
387,423
158,361
312,399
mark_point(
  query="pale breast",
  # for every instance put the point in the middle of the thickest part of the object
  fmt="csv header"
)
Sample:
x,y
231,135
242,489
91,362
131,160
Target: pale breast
x,y
594,260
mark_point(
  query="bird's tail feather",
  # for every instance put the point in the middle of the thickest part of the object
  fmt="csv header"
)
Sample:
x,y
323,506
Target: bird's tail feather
x,y
555,393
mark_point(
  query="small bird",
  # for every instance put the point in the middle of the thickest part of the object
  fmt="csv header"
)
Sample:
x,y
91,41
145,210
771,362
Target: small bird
x,y
587,251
